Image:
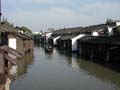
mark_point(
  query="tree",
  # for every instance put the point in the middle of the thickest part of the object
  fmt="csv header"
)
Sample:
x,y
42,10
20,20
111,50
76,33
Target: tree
x,y
109,21
118,29
24,29
5,21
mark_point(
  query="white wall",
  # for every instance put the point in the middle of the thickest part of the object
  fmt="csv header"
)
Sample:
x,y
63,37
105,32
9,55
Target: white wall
x,y
110,31
117,23
95,34
48,35
20,31
74,41
12,43
55,39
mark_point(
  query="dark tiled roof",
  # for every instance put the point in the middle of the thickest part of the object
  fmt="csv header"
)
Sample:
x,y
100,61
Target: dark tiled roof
x,y
87,29
101,39
52,37
67,37
95,28
7,28
28,35
24,36
67,30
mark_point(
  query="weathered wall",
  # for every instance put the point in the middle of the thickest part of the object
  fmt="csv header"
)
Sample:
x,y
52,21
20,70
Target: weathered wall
x,y
1,63
20,44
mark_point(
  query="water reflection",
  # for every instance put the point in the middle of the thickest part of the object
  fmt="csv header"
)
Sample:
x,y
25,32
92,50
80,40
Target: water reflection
x,y
49,56
97,69
13,70
23,64
61,71
75,64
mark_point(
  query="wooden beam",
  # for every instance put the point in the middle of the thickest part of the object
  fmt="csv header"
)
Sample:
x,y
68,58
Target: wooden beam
x,y
12,51
11,60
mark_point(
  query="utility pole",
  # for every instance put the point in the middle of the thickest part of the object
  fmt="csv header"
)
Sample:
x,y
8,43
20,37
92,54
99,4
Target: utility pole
x,y
0,11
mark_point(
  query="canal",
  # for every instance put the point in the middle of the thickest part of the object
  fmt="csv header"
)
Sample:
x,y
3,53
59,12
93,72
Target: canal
x,y
57,71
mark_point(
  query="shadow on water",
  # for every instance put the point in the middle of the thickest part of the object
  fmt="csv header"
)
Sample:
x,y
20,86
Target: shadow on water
x,y
37,44
23,64
101,71
109,72
113,65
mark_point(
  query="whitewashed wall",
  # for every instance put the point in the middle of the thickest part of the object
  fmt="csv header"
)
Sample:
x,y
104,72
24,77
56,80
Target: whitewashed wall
x,y
117,23
55,40
12,43
48,35
74,41
95,34
110,31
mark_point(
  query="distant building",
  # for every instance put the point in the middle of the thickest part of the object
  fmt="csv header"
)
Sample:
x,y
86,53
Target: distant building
x,y
53,40
69,43
18,41
36,33
94,30
48,35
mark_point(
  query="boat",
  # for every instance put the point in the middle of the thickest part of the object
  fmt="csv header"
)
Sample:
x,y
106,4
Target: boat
x,y
48,48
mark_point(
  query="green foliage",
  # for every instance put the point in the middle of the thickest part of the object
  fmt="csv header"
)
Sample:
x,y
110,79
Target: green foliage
x,y
24,29
109,21
5,21
37,35
118,29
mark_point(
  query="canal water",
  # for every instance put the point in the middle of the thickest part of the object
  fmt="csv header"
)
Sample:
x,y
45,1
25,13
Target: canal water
x,y
57,71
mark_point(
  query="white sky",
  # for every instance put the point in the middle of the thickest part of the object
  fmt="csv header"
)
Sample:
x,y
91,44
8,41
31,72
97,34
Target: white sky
x,y
43,14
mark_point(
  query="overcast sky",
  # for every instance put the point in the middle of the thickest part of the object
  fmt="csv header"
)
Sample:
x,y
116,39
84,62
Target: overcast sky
x,y
43,14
